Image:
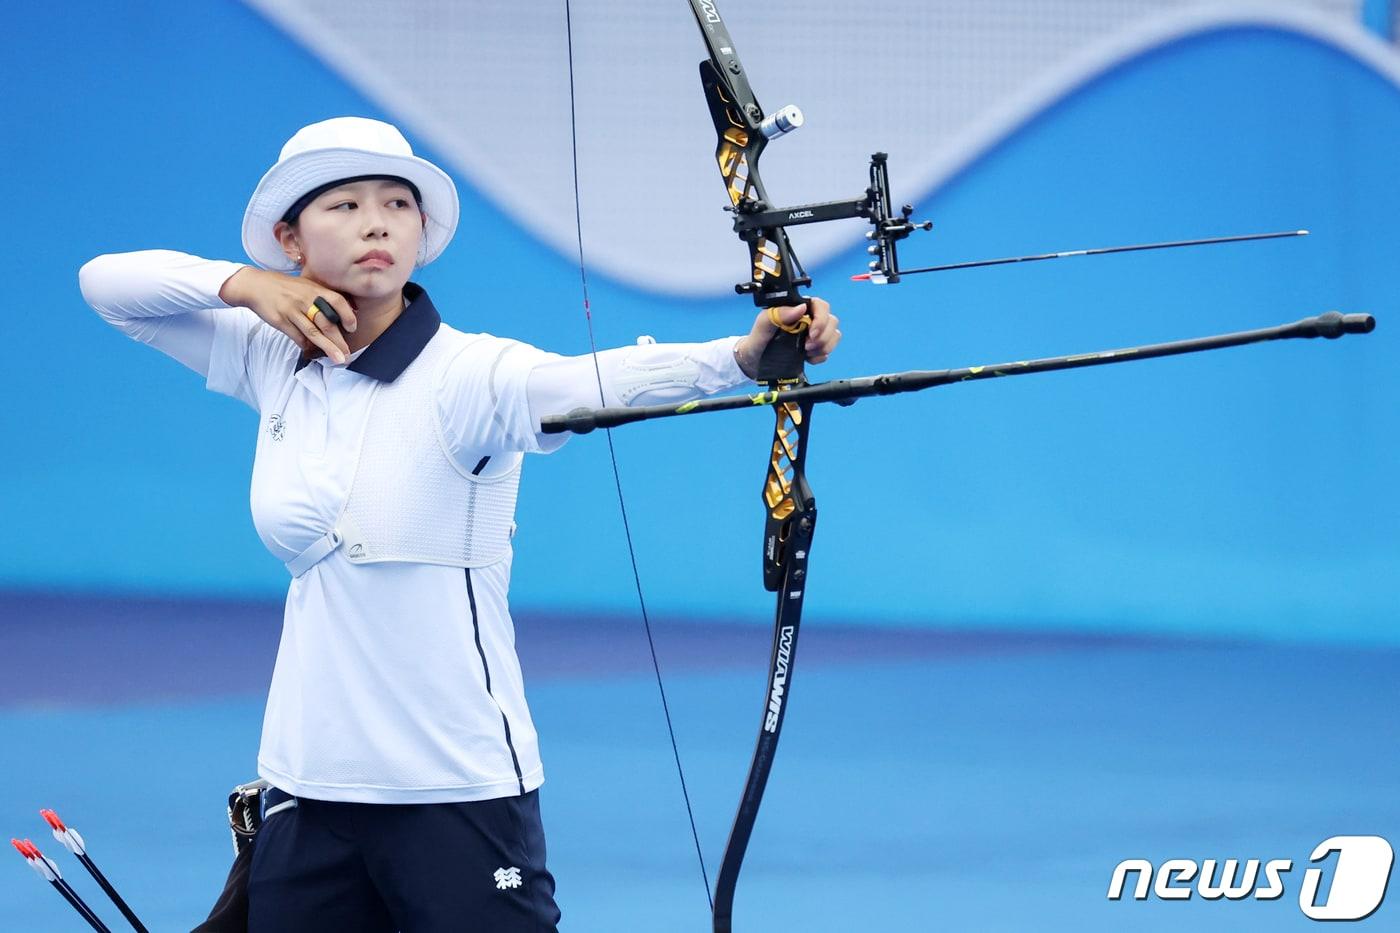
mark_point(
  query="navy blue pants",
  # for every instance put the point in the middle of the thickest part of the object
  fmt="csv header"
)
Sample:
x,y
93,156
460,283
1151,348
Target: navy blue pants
x,y
415,868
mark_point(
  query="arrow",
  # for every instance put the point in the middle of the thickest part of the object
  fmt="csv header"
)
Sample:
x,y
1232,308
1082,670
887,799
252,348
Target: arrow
x,y
1101,251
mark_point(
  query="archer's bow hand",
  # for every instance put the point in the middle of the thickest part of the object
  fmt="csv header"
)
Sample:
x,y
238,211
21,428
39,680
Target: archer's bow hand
x,y
814,316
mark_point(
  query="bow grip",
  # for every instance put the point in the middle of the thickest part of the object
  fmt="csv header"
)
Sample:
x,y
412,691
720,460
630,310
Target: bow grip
x,y
784,357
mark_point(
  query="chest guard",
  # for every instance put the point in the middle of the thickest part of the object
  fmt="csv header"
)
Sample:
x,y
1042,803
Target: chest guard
x,y
409,500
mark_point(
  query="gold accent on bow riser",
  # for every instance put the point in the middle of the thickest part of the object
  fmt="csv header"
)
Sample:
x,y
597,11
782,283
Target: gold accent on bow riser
x,y
731,154
777,491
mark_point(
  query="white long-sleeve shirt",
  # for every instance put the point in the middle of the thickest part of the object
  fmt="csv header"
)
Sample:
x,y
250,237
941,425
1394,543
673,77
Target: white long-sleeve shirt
x,y
395,682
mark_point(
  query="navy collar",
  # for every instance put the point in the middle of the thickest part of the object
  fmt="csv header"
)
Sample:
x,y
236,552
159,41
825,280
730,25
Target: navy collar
x,y
390,353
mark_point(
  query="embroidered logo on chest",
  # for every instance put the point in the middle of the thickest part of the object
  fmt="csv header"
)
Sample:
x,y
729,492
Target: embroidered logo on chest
x,y
276,427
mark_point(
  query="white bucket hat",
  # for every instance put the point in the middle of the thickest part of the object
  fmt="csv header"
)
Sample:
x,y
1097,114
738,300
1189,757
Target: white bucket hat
x,y
336,149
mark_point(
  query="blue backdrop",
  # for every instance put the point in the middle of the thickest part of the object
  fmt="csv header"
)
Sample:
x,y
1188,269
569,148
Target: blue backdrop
x,y
986,779
1250,492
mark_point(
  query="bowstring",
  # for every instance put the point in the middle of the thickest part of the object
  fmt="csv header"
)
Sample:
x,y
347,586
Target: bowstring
x,y
617,475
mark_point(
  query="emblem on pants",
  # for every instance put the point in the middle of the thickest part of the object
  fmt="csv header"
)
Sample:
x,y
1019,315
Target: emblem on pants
x,y
507,878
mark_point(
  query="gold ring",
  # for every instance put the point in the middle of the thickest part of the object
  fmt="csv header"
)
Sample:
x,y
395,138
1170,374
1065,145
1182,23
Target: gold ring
x,y
311,313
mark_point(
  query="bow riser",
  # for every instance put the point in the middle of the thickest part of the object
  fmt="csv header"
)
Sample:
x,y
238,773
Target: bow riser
x,y
775,273
786,495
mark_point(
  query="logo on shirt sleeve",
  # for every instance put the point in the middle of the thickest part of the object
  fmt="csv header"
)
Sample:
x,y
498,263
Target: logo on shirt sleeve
x,y
507,878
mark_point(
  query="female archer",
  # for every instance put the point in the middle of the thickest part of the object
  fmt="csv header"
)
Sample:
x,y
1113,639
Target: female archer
x,y
403,764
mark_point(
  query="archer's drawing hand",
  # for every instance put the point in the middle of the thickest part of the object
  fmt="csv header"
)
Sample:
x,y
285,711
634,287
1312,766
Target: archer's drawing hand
x,y
822,333
283,300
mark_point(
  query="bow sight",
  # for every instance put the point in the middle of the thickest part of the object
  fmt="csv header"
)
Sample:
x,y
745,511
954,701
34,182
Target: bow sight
x,y
743,131
754,220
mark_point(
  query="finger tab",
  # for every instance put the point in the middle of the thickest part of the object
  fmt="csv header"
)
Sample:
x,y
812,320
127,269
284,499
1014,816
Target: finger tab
x,y
330,313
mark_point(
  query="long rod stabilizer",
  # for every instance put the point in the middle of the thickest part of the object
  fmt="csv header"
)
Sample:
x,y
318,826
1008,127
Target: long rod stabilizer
x,y
844,391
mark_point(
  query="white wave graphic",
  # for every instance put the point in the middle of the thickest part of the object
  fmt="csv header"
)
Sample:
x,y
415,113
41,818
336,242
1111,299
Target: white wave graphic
x,y
935,84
